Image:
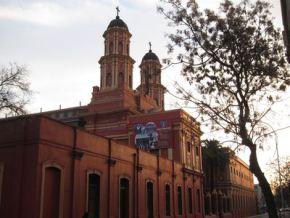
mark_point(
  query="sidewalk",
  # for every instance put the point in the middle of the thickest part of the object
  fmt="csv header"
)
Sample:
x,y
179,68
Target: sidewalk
x,y
265,215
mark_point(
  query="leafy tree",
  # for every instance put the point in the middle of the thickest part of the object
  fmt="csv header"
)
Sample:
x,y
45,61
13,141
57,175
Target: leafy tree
x,y
14,89
234,62
213,156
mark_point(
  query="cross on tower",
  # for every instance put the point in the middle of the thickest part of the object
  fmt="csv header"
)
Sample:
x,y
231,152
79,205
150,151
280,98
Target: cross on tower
x,y
118,10
150,45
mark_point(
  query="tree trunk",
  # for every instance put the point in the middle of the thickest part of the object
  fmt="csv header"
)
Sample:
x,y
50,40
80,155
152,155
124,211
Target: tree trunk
x,y
269,197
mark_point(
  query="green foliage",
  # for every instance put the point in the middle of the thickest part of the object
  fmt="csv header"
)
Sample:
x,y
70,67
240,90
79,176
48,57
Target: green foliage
x,y
215,154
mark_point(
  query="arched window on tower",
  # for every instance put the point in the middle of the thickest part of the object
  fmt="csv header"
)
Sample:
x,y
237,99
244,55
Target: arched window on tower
x,y
120,47
128,49
108,80
147,82
111,48
120,79
130,81
157,101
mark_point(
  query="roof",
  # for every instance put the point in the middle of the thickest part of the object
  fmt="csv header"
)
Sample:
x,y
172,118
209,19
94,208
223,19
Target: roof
x,y
118,22
150,56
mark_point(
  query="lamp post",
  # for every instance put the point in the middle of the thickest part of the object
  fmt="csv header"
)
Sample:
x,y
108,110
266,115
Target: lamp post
x,y
279,171
278,161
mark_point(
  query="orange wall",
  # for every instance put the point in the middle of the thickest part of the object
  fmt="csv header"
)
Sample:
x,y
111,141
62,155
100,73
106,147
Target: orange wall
x,y
52,143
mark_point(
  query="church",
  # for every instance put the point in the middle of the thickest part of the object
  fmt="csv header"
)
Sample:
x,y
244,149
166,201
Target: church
x,y
121,155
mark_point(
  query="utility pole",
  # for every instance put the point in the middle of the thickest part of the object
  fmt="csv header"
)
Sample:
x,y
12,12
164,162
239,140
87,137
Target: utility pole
x,y
279,171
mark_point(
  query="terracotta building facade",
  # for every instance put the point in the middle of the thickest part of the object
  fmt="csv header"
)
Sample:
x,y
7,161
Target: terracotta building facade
x,y
229,189
121,155
50,169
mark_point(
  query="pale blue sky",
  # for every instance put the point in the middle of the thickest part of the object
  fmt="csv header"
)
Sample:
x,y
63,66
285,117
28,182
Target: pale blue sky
x,y
60,41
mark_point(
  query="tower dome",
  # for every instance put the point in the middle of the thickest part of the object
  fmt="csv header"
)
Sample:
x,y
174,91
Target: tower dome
x,y
150,56
118,22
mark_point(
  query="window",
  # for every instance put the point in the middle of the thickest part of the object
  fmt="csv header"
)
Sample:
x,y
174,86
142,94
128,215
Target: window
x,y
124,198
198,200
120,47
121,79
149,200
188,146
157,101
130,81
197,150
108,79
94,196
167,197
51,193
189,200
179,200
111,48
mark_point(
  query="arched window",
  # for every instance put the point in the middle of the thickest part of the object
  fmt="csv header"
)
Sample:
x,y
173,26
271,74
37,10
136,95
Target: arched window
x,y
120,47
128,49
130,81
157,101
124,198
167,200
111,48
108,80
149,200
93,197
179,199
120,79
51,193
189,200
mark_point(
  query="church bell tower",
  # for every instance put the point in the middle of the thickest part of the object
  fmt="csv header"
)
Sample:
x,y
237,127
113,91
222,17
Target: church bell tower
x,y
116,64
151,78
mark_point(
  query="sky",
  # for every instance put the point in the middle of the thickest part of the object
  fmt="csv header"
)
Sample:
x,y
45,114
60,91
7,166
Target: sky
x,y
60,42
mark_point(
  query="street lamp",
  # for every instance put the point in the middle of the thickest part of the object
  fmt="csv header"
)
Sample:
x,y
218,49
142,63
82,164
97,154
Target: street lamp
x,y
279,171
278,160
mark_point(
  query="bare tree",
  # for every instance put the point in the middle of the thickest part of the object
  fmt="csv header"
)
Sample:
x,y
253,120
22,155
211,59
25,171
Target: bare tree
x,y
14,89
234,61
280,179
